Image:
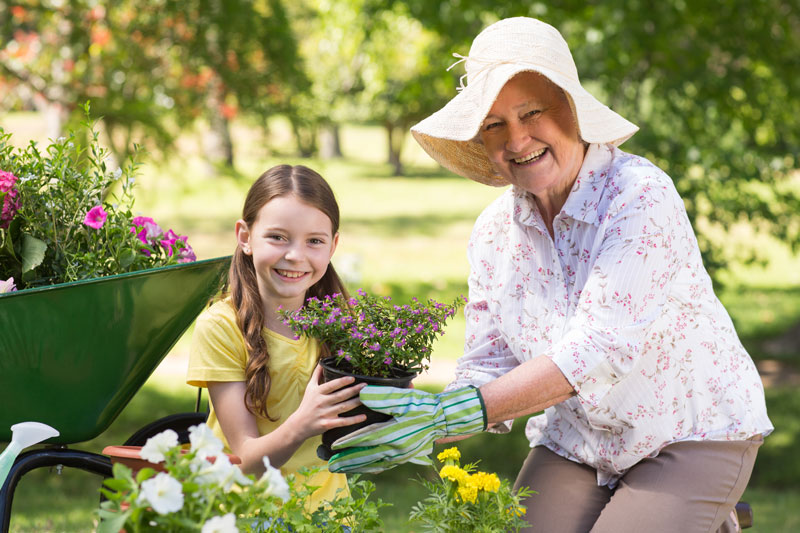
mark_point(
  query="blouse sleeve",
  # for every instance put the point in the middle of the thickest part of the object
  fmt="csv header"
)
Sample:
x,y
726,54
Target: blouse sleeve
x,y
486,354
646,238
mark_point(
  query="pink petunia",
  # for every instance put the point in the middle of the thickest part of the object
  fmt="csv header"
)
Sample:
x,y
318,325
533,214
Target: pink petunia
x,y
187,254
96,217
10,201
170,238
7,286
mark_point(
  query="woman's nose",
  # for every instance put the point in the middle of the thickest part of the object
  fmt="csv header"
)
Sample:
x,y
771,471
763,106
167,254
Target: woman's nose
x,y
518,137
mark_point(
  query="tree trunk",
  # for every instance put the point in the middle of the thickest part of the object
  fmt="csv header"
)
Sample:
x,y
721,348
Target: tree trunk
x,y
217,143
329,146
395,137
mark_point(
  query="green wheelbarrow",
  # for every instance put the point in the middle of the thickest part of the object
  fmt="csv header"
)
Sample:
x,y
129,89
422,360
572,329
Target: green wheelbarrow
x,y
73,355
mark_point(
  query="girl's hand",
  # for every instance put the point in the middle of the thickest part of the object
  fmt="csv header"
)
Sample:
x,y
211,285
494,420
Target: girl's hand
x,y
322,403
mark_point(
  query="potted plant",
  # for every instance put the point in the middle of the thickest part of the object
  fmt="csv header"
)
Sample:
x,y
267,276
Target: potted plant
x,y
372,339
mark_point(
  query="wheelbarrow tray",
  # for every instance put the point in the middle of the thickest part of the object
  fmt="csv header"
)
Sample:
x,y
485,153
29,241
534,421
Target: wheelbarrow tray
x,y
73,355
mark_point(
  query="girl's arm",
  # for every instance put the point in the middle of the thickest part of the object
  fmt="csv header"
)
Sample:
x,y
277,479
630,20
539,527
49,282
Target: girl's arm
x,y
318,411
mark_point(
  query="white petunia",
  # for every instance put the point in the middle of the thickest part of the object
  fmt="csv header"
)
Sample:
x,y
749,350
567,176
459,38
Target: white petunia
x,y
221,524
157,445
277,485
204,442
163,493
221,473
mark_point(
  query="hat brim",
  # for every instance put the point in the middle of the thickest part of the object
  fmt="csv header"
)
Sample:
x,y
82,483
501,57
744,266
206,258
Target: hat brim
x,y
448,135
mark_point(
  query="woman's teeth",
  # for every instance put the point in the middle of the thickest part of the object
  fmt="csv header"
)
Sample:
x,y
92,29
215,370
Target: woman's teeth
x,y
289,273
530,157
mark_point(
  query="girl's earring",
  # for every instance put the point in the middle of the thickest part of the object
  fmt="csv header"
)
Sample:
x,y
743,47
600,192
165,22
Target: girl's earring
x,y
246,250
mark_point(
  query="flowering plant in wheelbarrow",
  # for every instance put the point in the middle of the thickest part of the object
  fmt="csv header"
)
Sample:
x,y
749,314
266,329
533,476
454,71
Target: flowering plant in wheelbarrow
x,y
373,339
199,489
67,215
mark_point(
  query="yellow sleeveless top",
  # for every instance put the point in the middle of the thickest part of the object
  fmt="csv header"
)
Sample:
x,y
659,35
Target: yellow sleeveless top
x,y
218,353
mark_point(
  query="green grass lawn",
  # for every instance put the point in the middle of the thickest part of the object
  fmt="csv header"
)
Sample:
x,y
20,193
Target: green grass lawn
x,y
402,237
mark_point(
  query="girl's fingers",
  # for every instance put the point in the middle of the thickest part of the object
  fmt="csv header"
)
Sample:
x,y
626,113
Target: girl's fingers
x,y
348,421
336,384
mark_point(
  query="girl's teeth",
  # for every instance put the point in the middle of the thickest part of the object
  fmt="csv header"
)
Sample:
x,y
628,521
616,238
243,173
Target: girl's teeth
x,y
530,157
289,274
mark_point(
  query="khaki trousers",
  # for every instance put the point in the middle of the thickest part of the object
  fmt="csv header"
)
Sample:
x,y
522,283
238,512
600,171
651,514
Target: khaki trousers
x,y
689,487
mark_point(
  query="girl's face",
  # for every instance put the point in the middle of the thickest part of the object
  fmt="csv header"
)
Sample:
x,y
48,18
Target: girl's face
x,y
291,244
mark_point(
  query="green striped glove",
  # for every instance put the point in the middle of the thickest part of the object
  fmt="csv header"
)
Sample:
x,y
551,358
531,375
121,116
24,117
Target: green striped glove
x,y
419,419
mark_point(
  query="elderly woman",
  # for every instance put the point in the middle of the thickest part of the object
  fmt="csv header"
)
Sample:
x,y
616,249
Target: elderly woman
x,y
588,300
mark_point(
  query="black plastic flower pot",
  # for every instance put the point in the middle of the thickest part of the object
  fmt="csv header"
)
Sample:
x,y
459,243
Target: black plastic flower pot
x,y
330,371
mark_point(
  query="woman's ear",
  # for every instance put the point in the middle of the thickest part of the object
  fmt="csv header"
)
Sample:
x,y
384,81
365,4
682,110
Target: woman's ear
x,y
243,236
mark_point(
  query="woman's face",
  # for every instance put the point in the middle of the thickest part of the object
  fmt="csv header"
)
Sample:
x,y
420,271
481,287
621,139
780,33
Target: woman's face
x,y
531,137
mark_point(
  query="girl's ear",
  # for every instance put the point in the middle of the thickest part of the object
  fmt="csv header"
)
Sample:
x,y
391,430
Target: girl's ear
x,y
335,243
243,236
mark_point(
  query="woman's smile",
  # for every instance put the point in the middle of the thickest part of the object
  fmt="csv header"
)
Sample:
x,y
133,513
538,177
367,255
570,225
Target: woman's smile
x,y
531,158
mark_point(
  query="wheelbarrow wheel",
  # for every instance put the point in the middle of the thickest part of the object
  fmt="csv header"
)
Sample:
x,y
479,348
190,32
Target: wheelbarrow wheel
x,y
179,423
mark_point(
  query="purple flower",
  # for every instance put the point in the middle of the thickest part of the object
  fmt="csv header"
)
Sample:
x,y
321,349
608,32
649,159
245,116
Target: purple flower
x,y
168,241
7,286
9,196
187,255
96,217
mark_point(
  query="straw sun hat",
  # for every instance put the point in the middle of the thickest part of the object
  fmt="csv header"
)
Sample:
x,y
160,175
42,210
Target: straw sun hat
x,y
499,52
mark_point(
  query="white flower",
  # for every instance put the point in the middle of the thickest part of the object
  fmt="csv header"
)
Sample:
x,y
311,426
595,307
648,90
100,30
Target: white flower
x,y
221,472
221,524
7,286
157,445
163,493
204,442
117,173
277,485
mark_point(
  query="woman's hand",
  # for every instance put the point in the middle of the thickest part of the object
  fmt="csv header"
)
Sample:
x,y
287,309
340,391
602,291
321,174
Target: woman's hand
x,y
322,403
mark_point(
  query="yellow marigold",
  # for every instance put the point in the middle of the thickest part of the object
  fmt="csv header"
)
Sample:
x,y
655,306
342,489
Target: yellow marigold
x,y
468,491
453,473
517,511
449,453
486,481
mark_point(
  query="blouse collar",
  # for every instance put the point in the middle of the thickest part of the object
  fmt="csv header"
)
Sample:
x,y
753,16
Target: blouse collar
x,y
584,197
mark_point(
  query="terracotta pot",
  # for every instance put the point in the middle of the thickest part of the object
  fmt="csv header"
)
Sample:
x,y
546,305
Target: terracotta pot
x,y
129,456
331,371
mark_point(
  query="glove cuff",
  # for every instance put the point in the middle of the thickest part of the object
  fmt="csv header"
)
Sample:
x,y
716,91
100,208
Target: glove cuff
x,y
464,411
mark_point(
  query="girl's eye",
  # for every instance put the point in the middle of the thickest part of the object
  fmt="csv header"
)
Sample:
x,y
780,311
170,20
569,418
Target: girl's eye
x,y
275,237
316,241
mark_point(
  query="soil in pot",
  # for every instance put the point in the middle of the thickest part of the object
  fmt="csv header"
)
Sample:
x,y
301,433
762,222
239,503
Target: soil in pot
x,y
332,370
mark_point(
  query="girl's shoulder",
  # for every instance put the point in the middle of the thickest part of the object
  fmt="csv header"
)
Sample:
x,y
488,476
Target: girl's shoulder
x,y
219,313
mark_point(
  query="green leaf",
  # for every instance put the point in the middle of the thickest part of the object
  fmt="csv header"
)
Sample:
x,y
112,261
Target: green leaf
x,y
33,251
112,522
116,484
127,257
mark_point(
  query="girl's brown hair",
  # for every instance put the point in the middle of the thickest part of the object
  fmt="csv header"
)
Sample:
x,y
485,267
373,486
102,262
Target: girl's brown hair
x,y
312,189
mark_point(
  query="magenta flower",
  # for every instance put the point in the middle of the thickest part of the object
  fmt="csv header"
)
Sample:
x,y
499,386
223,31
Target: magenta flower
x,y
7,286
8,196
187,255
96,217
168,241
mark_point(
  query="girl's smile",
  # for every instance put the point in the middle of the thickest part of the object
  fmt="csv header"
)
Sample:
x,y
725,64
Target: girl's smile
x,y
291,244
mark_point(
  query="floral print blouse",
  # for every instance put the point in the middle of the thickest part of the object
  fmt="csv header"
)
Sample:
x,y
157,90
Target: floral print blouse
x,y
620,301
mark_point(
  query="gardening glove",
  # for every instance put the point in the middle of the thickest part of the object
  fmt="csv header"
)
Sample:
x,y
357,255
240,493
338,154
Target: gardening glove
x,y
419,419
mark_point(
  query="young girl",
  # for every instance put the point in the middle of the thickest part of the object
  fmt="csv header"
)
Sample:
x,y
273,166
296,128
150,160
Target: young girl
x,y
266,399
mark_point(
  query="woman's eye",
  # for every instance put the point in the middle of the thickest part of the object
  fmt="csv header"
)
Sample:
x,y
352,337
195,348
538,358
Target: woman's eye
x,y
531,113
491,126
